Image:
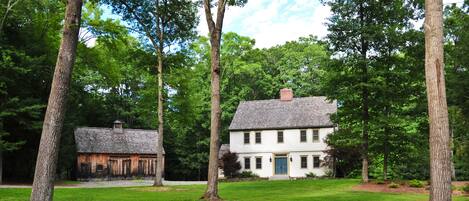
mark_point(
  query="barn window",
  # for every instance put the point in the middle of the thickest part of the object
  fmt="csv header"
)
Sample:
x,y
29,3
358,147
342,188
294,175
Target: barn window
x,y
247,163
315,135
246,138
99,168
303,136
258,137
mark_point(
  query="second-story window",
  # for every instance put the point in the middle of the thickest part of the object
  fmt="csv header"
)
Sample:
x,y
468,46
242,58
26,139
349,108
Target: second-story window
x,y
303,136
246,138
258,163
315,135
258,138
279,136
247,163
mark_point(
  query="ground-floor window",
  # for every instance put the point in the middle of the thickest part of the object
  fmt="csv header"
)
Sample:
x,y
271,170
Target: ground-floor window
x,y
247,163
316,161
258,163
304,162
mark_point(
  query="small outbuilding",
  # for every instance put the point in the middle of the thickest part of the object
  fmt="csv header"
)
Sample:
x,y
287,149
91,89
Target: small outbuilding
x,y
115,153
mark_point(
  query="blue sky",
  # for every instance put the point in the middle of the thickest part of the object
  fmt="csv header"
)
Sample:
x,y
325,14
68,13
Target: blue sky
x,y
273,22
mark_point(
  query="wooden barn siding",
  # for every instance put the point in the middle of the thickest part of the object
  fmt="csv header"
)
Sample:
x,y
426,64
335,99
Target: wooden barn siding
x,y
95,159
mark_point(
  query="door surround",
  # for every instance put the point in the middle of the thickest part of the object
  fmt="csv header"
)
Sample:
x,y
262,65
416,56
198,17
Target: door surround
x,y
281,155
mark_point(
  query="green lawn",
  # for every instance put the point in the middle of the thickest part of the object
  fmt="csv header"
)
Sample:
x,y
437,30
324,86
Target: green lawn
x,y
320,190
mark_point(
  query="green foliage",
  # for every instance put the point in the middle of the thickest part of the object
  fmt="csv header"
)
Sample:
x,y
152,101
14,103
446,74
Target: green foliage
x,y
465,188
230,164
247,174
394,185
416,183
310,175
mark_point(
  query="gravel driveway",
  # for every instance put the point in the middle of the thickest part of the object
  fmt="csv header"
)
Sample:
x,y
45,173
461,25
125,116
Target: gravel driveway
x,y
117,183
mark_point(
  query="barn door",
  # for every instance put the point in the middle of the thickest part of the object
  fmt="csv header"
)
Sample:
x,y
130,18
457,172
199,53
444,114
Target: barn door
x,y
126,171
113,168
85,170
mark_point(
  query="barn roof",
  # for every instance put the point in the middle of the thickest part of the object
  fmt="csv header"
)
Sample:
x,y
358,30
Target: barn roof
x,y
307,112
105,140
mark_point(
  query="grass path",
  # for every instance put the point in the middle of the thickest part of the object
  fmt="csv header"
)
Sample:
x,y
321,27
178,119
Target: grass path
x,y
320,190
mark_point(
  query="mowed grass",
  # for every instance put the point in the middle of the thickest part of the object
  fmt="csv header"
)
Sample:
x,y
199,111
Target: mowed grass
x,y
320,190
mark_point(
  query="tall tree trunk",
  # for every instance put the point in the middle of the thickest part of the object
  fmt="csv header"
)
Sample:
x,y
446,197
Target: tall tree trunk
x,y
1,167
440,152
46,162
215,30
365,94
159,159
386,153
365,117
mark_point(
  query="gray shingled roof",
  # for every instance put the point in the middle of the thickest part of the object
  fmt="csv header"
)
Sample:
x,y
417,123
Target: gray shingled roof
x,y
104,140
305,112
224,148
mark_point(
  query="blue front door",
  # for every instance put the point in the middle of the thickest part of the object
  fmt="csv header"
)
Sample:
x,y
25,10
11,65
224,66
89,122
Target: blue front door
x,y
281,165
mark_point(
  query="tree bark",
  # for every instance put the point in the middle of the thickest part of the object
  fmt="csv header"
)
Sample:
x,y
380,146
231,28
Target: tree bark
x,y
43,184
365,94
159,159
440,152
215,30
386,154
1,167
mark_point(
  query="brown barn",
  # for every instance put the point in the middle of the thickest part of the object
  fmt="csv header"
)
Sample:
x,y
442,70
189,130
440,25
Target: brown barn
x,y
115,153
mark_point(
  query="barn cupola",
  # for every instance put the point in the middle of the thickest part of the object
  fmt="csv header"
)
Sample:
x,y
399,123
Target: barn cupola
x,y
118,126
286,94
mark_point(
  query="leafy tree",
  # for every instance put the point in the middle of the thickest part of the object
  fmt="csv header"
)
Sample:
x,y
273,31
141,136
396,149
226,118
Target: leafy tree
x,y
367,40
215,32
163,23
230,164
457,76
44,174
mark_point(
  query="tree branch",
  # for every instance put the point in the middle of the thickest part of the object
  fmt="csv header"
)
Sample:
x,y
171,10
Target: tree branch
x,y
208,16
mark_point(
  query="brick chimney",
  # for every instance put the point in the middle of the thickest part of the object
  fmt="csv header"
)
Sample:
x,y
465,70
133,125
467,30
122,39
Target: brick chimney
x,y
286,94
118,127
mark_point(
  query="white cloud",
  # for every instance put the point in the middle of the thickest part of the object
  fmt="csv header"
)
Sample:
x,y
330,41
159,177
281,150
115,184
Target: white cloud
x,y
273,22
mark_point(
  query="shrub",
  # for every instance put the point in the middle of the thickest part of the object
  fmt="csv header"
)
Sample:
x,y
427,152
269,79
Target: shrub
x,y
230,164
393,185
248,174
329,174
311,175
465,188
379,181
416,183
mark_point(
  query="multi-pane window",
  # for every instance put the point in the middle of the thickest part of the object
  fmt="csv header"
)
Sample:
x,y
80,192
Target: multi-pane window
x,y
304,162
258,163
246,138
315,135
247,163
258,137
303,136
280,136
316,162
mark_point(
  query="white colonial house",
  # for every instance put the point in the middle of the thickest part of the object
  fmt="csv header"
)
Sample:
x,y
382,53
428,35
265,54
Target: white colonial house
x,y
282,137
